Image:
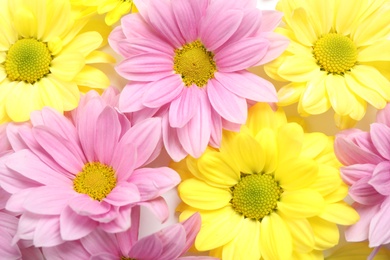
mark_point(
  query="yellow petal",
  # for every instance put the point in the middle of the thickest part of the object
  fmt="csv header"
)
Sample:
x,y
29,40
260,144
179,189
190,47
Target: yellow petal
x,y
290,93
275,238
340,213
57,20
338,194
296,173
326,233
21,101
249,154
302,234
114,15
348,11
262,116
49,95
68,91
315,98
302,27
84,43
198,194
91,77
321,14
339,96
8,34
378,51
300,203
313,144
290,139
267,140
327,180
25,23
99,57
344,122
299,68
66,67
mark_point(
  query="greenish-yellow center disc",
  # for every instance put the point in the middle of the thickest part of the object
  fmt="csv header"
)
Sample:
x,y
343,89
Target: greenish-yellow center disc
x,y
27,60
194,63
335,53
96,180
256,195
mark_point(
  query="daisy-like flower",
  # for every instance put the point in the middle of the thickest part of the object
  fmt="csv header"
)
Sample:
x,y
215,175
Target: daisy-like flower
x,y
44,58
270,192
335,58
188,60
68,179
167,244
366,160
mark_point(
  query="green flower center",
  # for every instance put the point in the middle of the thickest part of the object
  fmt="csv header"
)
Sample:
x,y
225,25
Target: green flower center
x,y
256,195
194,63
96,180
335,53
27,60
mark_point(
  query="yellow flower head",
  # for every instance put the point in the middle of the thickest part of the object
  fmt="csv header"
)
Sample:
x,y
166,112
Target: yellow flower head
x,y
270,191
44,58
338,57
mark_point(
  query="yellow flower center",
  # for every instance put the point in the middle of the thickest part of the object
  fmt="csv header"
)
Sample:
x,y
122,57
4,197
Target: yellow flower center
x,y
96,180
27,60
194,63
335,53
256,195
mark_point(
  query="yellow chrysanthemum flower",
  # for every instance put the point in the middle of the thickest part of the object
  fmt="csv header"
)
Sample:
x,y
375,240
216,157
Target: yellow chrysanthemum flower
x,y
270,191
336,57
44,58
358,251
114,9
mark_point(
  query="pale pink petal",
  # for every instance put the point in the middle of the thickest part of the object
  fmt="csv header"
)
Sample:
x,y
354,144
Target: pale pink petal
x,y
217,27
359,231
130,99
216,129
158,207
30,166
383,115
153,182
32,253
148,248
124,160
381,178
171,140
68,250
47,232
364,193
227,104
74,226
65,153
183,108
162,18
100,242
27,224
145,67
379,233
195,135
174,241
145,136
241,54
127,239
163,91
104,256
8,223
108,130
12,181
134,26
135,46
270,20
7,250
16,200
278,44
250,24
116,36
123,194
380,136
121,223
84,205
187,19
4,196
192,226
352,173
48,200
248,85
13,139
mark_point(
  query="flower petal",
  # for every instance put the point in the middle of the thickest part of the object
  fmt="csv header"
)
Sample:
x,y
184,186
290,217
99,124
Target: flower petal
x,y
74,226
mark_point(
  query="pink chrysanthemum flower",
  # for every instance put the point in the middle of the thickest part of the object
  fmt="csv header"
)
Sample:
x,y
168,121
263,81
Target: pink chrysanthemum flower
x,y
366,156
189,59
68,179
169,243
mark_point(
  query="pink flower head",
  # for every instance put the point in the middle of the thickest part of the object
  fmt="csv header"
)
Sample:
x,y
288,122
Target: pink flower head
x,y
188,60
366,160
169,243
68,179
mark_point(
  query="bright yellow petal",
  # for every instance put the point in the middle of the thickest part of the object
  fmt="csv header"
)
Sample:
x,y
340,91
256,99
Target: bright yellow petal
x,y
248,153
50,95
321,16
21,101
58,19
262,116
200,195
299,68
107,5
315,98
84,43
326,234
313,144
66,67
8,34
300,203
313,255
114,15
92,78
290,93
302,234
378,51
68,91
99,57
358,251
327,180
296,173
338,194
289,139
267,140
348,11
344,122
25,22
340,213
302,27
339,96
275,238
6,88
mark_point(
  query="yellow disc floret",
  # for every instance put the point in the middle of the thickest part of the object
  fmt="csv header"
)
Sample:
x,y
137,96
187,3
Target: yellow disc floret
x,y
335,53
256,195
27,60
194,63
96,180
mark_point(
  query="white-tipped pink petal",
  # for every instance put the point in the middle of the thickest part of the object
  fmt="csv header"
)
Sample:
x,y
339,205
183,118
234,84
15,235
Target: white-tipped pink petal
x,y
270,20
183,108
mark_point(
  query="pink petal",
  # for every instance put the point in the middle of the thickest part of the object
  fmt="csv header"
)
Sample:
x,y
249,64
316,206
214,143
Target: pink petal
x,y
135,46
153,182
121,223
13,136
115,38
104,256
4,196
195,135
174,241
7,250
27,224
148,248
127,239
145,67
158,207
270,20
380,136
47,232
145,136
30,166
130,97
100,242
183,108
216,129
379,233
250,24
48,200
359,231
192,226
352,173
123,194
171,141
364,193
383,117
12,181
66,154
162,18
163,91
227,104
136,26
8,223
84,205
16,200
217,27
187,18
241,54
381,178
68,250
124,160
74,226
248,85
108,130
277,45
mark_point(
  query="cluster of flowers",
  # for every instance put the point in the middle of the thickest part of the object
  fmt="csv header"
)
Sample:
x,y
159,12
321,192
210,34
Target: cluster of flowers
x,y
77,150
